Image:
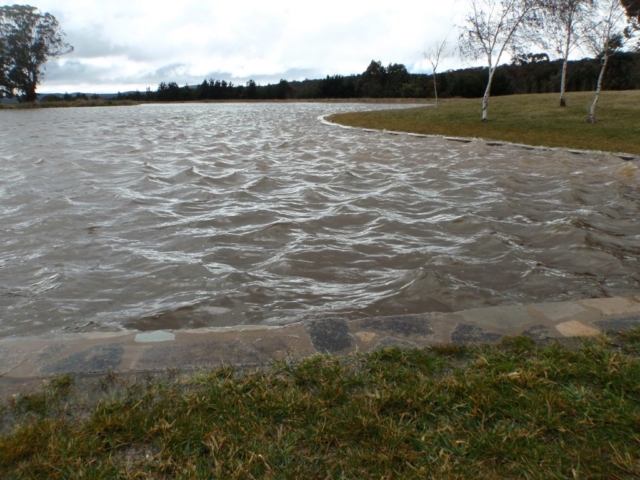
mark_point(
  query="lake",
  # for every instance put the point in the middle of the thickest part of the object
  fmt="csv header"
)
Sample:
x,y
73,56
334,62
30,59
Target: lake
x,y
198,215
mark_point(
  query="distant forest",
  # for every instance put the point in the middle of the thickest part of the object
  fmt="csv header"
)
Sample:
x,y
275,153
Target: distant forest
x,y
527,74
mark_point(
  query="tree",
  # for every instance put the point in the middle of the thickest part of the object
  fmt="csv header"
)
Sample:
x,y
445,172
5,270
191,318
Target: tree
x,y
489,29
283,89
632,7
28,38
604,35
563,21
252,90
395,77
371,83
434,54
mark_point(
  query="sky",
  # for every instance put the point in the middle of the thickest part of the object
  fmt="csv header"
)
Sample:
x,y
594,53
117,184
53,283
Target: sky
x,y
124,45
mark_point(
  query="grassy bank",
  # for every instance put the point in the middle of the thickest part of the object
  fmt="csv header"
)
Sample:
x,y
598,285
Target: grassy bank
x,y
518,410
68,104
529,119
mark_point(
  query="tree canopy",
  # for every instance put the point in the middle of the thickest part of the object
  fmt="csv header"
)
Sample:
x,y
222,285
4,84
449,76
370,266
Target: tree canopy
x,y
28,38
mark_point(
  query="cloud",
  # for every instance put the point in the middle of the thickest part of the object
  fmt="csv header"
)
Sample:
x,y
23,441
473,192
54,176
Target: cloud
x,y
103,79
93,42
127,45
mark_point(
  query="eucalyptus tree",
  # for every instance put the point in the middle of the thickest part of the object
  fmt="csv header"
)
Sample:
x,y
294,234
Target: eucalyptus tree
x,y
371,83
563,22
28,38
604,35
434,55
490,28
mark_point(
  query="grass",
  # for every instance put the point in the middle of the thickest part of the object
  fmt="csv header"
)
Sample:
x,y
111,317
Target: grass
x,y
516,410
67,104
529,119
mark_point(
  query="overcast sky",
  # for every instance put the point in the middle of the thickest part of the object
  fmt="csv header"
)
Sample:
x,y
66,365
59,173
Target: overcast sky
x,y
123,45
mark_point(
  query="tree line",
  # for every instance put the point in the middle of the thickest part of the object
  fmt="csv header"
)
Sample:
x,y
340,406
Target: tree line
x,y
529,73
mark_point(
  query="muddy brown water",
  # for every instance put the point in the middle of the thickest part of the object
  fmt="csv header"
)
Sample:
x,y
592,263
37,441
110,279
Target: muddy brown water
x,y
183,216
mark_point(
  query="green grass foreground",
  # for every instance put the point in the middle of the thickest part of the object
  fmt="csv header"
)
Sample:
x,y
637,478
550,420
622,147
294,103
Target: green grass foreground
x,y
515,410
530,119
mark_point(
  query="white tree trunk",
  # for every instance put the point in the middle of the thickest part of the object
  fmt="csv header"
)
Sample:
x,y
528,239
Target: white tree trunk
x,y
592,110
563,82
563,79
485,98
435,88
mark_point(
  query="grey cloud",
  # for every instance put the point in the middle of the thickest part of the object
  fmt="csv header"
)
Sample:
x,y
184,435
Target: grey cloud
x,y
175,72
256,37
75,72
170,72
301,74
291,74
72,71
92,42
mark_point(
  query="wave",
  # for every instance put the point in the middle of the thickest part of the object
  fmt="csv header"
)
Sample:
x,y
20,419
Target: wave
x,y
223,214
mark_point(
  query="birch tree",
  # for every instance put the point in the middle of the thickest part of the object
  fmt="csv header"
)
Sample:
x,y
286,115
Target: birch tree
x,y
434,55
563,22
603,36
490,28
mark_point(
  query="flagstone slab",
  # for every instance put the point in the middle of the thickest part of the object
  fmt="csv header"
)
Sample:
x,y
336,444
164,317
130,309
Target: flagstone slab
x,y
626,323
96,359
406,325
538,333
214,352
510,317
463,333
50,353
157,336
560,310
365,337
614,306
330,335
10,357
573,328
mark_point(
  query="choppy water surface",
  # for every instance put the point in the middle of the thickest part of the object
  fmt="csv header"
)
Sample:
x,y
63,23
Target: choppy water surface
x,y
182,216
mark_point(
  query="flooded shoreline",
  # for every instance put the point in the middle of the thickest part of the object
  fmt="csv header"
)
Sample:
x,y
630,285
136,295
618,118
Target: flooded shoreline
x,y
194,215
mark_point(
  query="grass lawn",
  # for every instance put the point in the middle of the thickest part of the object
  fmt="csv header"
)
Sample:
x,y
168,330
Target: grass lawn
x,y
516,410
530,119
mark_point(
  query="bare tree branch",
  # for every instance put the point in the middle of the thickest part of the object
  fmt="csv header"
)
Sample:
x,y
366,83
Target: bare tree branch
x,y
563,23
603,35
435,54
490,28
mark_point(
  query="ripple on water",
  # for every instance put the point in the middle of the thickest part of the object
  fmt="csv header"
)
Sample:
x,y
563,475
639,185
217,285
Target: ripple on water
x,y
182,216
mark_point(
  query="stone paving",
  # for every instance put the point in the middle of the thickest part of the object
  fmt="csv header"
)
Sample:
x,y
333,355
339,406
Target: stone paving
x,y
25,362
